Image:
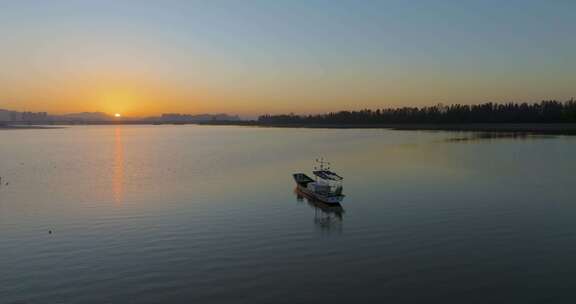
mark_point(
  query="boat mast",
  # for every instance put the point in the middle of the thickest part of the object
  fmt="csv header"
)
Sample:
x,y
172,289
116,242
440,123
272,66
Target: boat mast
x,y
324,165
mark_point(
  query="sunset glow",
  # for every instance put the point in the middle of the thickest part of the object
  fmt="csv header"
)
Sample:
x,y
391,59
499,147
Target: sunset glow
x,y
147,58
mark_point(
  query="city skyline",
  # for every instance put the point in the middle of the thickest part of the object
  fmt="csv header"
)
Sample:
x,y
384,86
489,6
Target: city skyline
x,y
10,116
140,58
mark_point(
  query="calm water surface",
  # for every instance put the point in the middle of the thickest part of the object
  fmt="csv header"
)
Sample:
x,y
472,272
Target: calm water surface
x,y
190,214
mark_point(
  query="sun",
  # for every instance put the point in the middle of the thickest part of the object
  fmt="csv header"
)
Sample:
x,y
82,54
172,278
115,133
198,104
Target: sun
x,y
117,115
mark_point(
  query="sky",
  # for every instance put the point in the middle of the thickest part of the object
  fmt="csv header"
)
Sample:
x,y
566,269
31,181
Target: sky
x,y
253,57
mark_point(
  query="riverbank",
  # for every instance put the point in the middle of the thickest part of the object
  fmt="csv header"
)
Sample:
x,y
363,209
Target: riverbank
x,y
534,128
25,127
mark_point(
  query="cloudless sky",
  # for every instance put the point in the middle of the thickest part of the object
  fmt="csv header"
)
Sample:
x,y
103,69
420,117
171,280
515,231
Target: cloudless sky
x,y
254,57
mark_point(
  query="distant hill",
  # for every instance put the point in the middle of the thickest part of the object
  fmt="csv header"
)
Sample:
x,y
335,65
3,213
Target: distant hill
x,y
174,117
84,116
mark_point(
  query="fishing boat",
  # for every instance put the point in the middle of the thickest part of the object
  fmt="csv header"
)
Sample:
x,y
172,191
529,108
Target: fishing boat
x,y
326,186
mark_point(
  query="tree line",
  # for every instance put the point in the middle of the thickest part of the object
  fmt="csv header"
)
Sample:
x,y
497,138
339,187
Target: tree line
x,y
548,111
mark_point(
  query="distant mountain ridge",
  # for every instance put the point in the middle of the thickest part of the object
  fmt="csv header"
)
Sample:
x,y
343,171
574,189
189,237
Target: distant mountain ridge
x,y
83,116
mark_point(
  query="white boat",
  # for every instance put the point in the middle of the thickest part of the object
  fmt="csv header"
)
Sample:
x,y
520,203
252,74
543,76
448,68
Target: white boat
x,y
325,187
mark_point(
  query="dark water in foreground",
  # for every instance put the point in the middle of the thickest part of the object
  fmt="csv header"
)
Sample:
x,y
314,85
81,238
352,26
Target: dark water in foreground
x,y
188,214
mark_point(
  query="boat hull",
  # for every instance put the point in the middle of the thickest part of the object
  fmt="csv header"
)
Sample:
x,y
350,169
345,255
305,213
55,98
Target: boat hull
x,y
332,199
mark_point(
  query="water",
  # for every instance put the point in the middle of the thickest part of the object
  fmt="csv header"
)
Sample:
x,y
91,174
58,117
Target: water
x,y
190,214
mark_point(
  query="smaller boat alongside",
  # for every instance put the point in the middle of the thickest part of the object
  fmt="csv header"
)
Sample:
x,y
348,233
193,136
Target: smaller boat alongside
x,y
325,187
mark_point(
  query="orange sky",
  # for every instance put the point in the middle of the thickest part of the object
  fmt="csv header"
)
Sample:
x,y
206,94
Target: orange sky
x,y
146,58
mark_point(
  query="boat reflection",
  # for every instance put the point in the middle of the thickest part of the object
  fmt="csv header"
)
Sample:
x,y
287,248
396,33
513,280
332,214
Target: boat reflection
x,y
327,217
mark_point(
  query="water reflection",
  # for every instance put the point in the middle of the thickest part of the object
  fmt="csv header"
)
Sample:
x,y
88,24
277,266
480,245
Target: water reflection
x,y
417,210
327,217
488,136
118,172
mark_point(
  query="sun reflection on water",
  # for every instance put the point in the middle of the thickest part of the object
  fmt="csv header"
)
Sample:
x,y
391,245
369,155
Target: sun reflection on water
x,y
118,174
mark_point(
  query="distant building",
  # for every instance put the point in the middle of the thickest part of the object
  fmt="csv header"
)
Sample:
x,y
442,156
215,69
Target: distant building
x,y
34,117
5,116
14,116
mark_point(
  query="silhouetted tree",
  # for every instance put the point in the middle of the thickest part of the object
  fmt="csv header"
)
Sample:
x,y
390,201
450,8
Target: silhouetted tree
x,y
548,111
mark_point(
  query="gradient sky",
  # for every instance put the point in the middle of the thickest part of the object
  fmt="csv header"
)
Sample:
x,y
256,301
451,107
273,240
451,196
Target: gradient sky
x,y
253,57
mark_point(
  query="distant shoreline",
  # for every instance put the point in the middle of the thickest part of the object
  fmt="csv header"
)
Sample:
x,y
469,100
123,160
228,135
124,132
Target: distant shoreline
x,y
532,128
27,127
